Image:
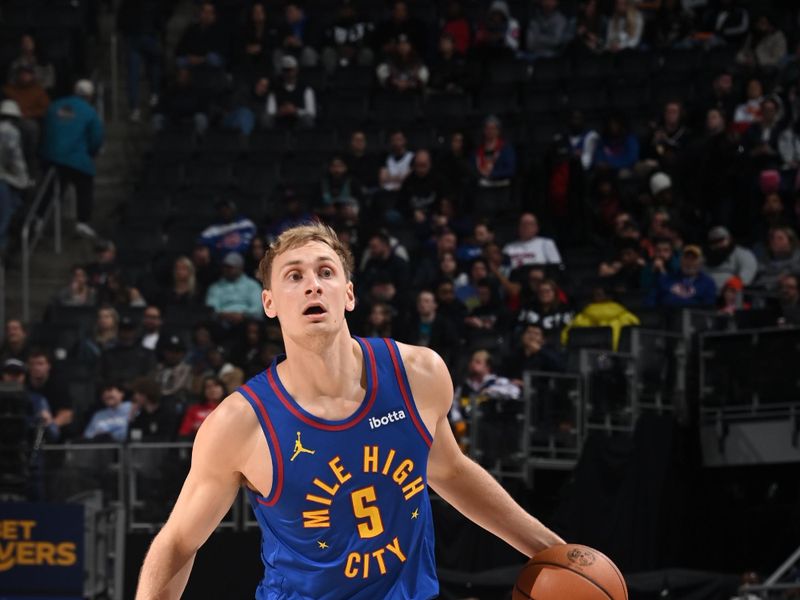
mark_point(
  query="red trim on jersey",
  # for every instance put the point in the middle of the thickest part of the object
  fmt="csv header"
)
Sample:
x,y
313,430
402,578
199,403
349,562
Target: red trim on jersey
x,y
350,422
412,409
277,486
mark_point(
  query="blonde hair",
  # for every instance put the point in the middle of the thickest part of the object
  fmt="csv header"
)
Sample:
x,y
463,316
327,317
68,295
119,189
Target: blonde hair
x,y
105,336
299,236
186,262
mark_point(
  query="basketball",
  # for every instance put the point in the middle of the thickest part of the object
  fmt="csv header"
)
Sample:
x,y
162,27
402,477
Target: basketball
x,y
570,571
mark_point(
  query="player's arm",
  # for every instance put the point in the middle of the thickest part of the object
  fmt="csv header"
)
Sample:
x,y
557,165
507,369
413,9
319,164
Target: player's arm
x,y
220,449
456,478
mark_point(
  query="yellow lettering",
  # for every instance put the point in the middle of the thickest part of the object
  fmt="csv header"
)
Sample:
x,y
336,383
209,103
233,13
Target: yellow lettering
x,y
349,570
370,459
26,553
365,574
325,487
402,471
394,548
363,510
66,554
27,527
378,554
7,556
388,462
317,518
319,499
45,554
336,466
413,488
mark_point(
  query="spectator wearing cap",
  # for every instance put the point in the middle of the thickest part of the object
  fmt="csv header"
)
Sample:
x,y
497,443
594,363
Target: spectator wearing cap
x,y
110,424
495,158
346,41
403,71
765,46
31,56
173,373
153,421
182,103
41,417
232,231
203,44
41,380
15,340
213,393
547,30
498,35
530,248
726,259
235,296
73,135
296,38
128,359
291,103
690,288
400,22
13,168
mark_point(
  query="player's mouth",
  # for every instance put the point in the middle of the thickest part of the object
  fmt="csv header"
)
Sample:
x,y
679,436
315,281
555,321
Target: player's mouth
x,y
314,310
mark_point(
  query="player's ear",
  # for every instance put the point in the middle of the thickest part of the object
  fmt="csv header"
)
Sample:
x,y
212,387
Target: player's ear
x,y
268,304
350,304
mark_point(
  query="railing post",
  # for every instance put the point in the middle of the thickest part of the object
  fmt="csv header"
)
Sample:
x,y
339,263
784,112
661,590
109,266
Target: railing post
x,y
57,215
113,57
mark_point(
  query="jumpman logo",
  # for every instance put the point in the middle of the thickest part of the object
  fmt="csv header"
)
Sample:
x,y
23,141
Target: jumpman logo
x,y
298,448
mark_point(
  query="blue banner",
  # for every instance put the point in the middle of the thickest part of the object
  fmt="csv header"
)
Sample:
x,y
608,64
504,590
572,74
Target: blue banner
x,y
41,549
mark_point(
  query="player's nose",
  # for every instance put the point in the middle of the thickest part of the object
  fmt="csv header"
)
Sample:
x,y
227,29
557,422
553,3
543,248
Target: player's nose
x,y
314,286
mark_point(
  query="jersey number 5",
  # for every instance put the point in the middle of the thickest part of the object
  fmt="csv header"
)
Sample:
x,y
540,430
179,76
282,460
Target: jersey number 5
x,y
364,508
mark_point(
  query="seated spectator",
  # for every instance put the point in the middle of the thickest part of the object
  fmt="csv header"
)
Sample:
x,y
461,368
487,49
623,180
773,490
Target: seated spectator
x,y
153,422
346,40
106,329
727,259
457,27
765,46
296,38
530,248
379,321
449,69
690,288
625,27
117,292
449,306
173,373
220,367
498,35
547,311
782,257
151,327
13,168
532,354
110,424
789,150
252,259
214,392
41,380
602,311
257,43
105,261
547,30
426,327
670,136
728,21
672,26
127,359
235,296
181,103
720,95
789,298
31,56
618,148
40,414
362,164
457,167
583,140
749,111
400,22
291,103
183,288
467,283
201,344
78,292
447,270
761,138
495,158
489,316
665,261
246,351
403,71
339,191
624,273
385,261
248,106
422,190
731,298
203,44
398,163
588,28
231,231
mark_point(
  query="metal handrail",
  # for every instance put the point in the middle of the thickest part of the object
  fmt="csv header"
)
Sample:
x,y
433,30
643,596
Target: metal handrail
x,y
29,243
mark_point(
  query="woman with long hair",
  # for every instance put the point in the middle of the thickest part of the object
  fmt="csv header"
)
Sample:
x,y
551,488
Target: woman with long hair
x,y
212,394
624,27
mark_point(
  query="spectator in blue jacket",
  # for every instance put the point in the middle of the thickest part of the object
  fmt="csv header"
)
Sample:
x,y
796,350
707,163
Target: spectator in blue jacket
x,y
73,135
110,424
689,288
495,158
618,148
232,232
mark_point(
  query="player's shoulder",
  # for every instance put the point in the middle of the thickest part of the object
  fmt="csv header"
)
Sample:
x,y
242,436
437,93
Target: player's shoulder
x,y
234,418
427,372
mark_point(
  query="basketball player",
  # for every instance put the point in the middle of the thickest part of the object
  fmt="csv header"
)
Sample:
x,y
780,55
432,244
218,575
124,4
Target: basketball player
x,y
336,444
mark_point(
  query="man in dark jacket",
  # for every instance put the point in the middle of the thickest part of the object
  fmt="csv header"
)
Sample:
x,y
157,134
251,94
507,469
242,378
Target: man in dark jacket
x,y
427,328
203,44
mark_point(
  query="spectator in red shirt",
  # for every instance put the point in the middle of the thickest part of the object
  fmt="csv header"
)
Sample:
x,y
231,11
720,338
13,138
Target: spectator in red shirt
x,y
457,26
213,393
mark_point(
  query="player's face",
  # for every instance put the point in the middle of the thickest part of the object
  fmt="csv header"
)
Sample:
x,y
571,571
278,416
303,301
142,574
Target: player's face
x,y
309,291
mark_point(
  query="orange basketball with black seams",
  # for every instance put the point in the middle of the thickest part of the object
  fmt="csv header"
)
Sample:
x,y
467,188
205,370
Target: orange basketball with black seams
x,y
570,571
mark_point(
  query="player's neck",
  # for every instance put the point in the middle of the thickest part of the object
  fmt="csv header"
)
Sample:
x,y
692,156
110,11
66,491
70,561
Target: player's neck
x,y
330,370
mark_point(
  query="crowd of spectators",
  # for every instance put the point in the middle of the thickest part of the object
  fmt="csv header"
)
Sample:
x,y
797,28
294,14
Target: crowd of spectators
x,y
489,242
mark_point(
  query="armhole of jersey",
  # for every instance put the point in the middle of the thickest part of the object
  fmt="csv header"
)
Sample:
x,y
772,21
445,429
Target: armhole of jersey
x,y
405,390
274,447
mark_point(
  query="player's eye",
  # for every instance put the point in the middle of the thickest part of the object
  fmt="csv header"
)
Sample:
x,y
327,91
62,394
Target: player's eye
x,y
295,276
326,272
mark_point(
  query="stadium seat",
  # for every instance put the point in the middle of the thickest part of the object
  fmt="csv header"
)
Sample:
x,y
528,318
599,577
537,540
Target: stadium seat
x,y
597,338
498,100
391,108
506,73
316,140
551,72
446,106
209,175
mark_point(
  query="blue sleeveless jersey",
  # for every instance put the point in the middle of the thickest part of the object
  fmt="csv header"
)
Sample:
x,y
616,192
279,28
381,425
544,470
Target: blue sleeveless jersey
x,y
348,515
